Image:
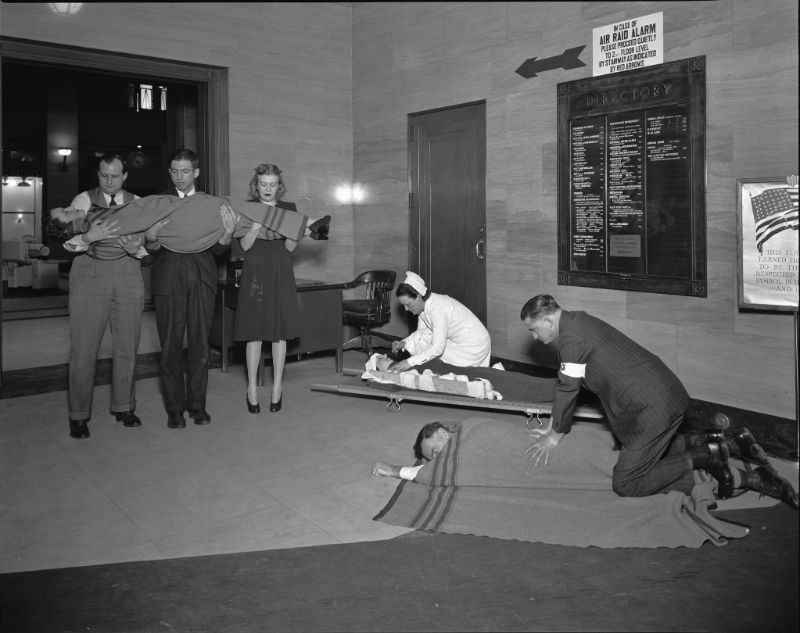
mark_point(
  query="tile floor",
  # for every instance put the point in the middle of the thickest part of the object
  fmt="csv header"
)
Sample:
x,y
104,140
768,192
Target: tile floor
x,y
245,482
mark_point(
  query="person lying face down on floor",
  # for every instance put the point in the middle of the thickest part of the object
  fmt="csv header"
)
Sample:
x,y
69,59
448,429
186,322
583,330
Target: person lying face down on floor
x,y
493,456
645,404
431,439
446,329
185,225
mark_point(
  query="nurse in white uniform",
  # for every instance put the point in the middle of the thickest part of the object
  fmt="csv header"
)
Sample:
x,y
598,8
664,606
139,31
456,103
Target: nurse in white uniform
x,y
446,329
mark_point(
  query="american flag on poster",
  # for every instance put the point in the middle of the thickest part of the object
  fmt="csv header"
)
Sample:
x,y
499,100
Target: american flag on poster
x,y
774,210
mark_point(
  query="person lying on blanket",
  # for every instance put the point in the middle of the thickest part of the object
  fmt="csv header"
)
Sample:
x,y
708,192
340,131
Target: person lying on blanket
x,y
447,329
432,438
186,225
502,445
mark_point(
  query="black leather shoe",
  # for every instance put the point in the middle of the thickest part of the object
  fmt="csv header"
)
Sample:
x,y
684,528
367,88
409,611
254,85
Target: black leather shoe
x,y
276,406
320,228
719,423
78,429
128,418
200,416
176,421
252,408
768,483
720,470
751,449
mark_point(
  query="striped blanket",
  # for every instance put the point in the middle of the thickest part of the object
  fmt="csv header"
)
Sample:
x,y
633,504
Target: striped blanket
x,y
195,222
483,484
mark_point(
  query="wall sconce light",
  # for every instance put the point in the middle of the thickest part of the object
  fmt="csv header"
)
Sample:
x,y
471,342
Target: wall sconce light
x,y
65,8
352,194
63,152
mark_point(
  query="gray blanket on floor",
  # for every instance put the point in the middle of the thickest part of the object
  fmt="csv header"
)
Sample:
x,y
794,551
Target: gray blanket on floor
x,y
482,483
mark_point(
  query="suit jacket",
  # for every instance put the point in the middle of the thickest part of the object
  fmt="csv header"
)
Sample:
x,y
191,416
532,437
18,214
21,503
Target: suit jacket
x,y
640,394
167,265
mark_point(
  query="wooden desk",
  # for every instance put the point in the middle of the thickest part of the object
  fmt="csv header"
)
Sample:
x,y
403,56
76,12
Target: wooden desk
x,y
321,326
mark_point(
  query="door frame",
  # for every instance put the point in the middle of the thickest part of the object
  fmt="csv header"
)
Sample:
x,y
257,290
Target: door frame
x,y
415,254
212,81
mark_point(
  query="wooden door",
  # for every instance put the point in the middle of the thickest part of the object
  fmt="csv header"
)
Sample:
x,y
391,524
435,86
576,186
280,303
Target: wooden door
x,y
447,202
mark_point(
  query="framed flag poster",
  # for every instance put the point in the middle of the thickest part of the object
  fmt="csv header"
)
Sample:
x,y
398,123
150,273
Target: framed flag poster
x,y
768,243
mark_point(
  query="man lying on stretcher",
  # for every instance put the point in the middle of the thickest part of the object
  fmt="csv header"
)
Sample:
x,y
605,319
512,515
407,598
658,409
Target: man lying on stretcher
x,y
188,225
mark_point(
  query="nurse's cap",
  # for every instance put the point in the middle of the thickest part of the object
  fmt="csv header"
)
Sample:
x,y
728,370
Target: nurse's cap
x,y
416,282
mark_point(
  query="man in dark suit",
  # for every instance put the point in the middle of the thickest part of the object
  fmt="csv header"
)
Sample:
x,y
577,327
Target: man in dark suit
x,y
645,404
184,291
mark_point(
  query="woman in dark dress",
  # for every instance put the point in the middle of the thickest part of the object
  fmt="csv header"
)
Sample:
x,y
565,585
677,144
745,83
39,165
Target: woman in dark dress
x,y
267,307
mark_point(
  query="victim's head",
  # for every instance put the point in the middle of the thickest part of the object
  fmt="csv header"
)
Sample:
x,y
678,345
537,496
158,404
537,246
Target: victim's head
x,y
431,440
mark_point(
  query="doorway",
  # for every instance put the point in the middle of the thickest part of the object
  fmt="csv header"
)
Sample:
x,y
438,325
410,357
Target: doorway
x,y
447,201
198,118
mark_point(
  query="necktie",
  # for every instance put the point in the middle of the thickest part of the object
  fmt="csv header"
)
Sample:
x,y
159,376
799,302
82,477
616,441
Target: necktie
x,y
113,202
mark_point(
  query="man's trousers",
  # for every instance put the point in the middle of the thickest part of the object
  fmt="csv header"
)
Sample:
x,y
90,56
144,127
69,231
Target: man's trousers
x,y
104,293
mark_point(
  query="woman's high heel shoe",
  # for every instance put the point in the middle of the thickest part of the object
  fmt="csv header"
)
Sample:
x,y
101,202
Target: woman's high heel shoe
x,y
276,406
252,408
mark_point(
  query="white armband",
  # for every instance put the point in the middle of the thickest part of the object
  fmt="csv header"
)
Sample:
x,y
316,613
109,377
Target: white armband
x,y
573,370
410,472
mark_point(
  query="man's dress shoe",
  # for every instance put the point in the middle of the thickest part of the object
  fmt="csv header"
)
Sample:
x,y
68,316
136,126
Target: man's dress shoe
x,y
200,416
128,418
320,228
767,482
176,421
78,429
719,468
751,449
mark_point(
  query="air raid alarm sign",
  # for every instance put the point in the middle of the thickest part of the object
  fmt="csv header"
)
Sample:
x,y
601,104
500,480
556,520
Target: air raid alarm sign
x,y
628,45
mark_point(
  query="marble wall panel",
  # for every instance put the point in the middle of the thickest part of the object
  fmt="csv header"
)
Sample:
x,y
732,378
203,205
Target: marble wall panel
x,y
710,362
381,18
524,18
778,325
721,222
758,25
522,150
472,26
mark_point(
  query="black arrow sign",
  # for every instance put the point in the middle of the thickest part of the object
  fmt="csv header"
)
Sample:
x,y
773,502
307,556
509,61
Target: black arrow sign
x,y
567,59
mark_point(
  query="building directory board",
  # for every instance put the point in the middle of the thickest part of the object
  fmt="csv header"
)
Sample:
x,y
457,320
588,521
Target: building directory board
x,y
631,185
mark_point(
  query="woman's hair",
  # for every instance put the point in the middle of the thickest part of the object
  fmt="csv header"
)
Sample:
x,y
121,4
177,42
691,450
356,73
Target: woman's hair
x,y
537,307
404,290
426,432
267,169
